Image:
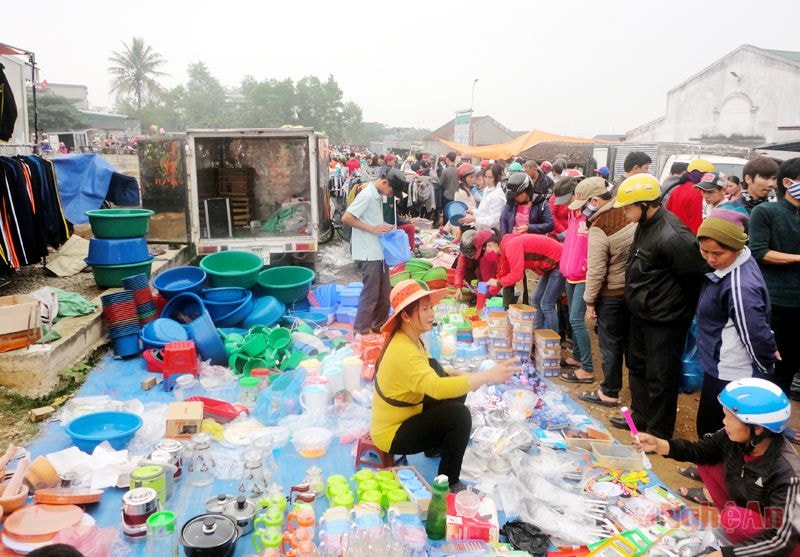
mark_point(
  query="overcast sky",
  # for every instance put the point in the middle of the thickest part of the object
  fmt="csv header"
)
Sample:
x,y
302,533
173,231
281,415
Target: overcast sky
x,y
570,67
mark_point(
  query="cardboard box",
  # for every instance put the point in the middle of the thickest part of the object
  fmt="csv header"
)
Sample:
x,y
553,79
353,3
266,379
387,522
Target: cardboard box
x,y
482,526
184,419
19,313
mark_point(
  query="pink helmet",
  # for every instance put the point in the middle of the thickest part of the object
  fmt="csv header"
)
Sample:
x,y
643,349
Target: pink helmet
x,y
546,166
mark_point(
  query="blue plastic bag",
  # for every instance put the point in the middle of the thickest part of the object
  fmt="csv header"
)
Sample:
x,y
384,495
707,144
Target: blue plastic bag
x,y
395,247
691,371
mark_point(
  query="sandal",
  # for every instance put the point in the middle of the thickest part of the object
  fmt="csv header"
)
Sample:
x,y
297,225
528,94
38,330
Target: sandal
x,y
790,434
690,472
570,377
594,398
565,363
694,494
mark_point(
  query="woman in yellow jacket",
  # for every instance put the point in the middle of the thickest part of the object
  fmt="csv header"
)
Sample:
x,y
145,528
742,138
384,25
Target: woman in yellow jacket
x,y
417,406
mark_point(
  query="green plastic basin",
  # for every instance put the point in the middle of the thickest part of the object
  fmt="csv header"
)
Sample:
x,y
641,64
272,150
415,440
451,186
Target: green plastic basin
x,y
232,268
288,284
119,223
112,275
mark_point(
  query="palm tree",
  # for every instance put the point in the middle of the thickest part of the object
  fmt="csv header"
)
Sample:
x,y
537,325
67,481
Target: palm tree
x,y
135,71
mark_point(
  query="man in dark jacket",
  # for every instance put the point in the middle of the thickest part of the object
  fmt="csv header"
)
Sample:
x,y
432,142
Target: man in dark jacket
x,y
662,284
449,179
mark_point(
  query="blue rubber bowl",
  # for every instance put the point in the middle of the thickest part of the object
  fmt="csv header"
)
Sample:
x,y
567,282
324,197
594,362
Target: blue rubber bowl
x,y
118,428
207,341
159,332
266,311
175,281
221,301
117,251
237,314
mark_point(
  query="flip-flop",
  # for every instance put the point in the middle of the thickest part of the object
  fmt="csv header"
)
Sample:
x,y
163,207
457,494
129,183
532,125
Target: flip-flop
x,y
594,398
694,494
570,377
690,472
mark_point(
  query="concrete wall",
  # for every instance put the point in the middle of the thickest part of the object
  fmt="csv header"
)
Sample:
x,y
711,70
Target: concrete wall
x,y
754,102
125,164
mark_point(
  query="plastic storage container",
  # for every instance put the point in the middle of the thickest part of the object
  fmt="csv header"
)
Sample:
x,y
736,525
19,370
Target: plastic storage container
x,y
349,297
618,457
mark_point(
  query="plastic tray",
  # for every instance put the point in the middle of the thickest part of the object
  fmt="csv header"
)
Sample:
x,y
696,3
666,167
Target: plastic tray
x,y
618,457
422,504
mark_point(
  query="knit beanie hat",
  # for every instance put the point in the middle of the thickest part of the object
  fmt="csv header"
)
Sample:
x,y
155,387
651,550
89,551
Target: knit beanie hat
x,y
726,226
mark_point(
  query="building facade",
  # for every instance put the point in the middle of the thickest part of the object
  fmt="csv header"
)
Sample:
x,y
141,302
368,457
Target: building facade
x,y
746,97
484,130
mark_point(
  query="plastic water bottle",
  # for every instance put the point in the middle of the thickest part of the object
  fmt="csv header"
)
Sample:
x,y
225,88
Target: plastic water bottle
x,y
437,509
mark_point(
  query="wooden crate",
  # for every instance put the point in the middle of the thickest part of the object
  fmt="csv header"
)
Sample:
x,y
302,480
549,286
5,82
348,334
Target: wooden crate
x,y
242,211
235,182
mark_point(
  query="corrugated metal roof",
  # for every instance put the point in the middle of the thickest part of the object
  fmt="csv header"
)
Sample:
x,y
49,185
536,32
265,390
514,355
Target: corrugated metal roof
x,y
790,54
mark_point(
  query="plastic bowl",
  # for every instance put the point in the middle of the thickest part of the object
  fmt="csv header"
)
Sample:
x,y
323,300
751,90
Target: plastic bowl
x,y
11,504
172,282
312,442
267,311
112,275
159,332
119,223
89,430
288,284
117,251
232,268
237,314
228,294
435,273
394,279
236,297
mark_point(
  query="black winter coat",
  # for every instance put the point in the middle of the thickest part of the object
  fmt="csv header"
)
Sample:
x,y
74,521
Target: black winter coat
x,y
665,270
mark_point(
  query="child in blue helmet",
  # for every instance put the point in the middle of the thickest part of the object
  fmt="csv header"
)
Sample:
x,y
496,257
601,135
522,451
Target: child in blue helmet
x,y
746,466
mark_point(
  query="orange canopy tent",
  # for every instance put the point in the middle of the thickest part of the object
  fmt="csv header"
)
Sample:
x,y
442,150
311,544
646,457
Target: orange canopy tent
x,y
501,151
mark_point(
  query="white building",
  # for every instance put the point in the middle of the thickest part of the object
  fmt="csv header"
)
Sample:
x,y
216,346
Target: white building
x,y
747,97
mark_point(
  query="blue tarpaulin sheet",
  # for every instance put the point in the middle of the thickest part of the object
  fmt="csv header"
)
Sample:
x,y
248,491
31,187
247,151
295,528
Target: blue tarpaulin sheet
x,y
121,380
86,180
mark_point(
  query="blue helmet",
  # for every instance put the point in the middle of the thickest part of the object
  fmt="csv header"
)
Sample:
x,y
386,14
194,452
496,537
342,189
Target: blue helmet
x,y
757,402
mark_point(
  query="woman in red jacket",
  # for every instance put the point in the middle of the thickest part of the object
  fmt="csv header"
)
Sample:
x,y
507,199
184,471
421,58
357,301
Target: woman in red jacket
x,y
478,259
542,255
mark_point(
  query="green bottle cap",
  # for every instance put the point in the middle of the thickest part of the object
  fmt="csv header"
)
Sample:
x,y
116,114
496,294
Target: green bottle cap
x,y
162,520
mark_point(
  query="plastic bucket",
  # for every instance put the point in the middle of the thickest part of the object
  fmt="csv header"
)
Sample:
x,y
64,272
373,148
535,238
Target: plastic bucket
x,y
454,211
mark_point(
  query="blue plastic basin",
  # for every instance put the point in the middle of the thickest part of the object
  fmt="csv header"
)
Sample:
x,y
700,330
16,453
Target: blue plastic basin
x,y
172,282
118,428
118,251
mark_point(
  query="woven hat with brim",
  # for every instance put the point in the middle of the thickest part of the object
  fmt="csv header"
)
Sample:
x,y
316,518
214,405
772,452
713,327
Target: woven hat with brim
x,y
405,293
563,191
587,189
726,226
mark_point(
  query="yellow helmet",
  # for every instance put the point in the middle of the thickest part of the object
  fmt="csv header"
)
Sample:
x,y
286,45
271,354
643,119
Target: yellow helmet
x,y
700,164
639,187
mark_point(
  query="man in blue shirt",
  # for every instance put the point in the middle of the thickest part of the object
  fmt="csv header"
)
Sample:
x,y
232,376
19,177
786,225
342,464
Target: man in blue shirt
x,y
365,217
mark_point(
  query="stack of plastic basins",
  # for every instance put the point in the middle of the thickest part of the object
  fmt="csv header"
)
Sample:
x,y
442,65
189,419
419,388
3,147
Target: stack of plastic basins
x,y
142,296
119,248
521,318
348,303
122,322
547,346
499,335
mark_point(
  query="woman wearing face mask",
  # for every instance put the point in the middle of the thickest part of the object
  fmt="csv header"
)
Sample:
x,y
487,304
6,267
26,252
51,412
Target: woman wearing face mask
x,y
747,467
573,267
417,405
526,211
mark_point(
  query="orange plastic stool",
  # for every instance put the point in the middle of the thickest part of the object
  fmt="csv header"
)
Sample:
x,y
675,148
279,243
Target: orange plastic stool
x,y
367,454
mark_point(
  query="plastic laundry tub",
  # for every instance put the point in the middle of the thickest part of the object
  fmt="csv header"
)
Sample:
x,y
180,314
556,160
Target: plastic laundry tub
x,y
288,284
112,275
119,223
232,268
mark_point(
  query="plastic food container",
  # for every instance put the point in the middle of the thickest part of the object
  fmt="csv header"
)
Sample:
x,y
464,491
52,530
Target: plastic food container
x,y
497,319
499,333
618,457
521,326
312,442
522,336
521,312
501,342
